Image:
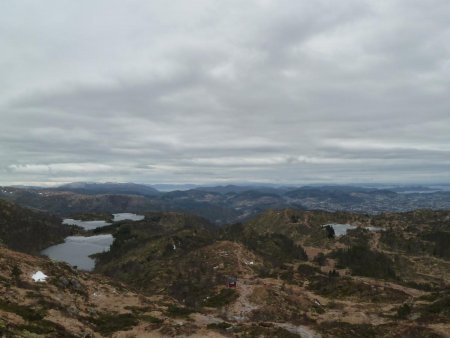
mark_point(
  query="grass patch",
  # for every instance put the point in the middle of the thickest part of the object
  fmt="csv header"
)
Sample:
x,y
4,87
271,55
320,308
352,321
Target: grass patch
x,y
307,270
438,307
266,331
177,311
224,297
345,330
47,328
25,312
150,319
365,262
107,324
222,326
346,288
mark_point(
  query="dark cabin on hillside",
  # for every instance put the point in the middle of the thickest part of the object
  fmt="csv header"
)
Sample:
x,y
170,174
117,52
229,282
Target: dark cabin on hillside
x,y
231,282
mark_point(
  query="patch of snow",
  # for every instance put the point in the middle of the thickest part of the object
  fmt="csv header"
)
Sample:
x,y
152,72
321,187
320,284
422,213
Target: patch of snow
x,y
39,276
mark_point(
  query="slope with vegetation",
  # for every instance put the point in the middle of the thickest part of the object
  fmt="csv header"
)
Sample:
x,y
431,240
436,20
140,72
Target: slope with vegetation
x,y
295,278
28,230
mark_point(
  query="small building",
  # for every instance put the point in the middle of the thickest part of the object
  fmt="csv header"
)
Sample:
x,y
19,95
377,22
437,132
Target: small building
x,y
231,281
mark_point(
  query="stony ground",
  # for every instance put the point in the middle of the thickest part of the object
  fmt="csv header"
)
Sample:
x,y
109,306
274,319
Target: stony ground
x,y
77,304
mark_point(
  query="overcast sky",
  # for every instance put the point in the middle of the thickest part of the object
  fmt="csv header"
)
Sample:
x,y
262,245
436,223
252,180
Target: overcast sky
x,y
225,91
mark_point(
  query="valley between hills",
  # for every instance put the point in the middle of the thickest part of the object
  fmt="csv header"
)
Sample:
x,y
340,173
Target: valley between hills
x,y
168,274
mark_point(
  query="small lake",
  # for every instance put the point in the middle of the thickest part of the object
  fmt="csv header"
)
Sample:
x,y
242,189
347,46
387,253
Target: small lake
x,y
341,229
76,250
127,216
91,225
86,225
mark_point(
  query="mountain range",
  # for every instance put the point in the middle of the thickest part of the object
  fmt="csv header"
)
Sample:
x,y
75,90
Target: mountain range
x,y
222,204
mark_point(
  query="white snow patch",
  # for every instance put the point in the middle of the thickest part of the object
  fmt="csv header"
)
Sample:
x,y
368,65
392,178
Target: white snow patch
x,y
39,276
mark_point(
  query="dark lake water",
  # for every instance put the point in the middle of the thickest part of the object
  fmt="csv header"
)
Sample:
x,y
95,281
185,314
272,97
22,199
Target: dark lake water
x,y
87,225
76,249
127,216
91,225
341,229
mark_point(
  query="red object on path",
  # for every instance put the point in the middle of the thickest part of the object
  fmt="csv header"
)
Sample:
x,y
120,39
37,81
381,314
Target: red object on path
x,y
232,281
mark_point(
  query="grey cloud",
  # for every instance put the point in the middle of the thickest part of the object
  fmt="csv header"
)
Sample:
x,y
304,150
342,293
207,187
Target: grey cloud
x,y
270,91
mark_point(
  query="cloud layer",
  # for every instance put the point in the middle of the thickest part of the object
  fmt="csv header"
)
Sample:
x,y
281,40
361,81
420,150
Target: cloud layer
x,y
225,91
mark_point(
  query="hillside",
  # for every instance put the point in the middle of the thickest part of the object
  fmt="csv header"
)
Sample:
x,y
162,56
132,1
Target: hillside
x,y
76,304
28,230
151,254
291,272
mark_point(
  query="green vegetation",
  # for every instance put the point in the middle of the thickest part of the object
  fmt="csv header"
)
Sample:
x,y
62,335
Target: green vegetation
x,y
275,248
25,312
268,330
107,324
356,237
403,311
224,297
16,273
219,326
308,270
156,253
45,327
396,240
364,262
320,259
150,319
330,231
177,311
28,230
440,241
345,330
347,288
439,307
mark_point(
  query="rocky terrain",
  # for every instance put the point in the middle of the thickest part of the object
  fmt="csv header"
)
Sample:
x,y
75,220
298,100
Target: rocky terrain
x,y
167,276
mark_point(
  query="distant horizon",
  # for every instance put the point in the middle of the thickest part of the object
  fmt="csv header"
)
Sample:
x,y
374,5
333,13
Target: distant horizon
x,y
240,184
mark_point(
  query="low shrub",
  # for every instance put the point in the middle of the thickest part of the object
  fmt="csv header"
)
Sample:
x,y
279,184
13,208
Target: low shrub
x,y
177,311
224,297
107,324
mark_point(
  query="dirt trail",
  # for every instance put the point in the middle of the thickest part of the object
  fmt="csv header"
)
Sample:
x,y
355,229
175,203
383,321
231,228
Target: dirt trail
x,y
242,307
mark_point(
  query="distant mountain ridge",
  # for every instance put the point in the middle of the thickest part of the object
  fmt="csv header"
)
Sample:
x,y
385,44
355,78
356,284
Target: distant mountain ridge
x,y
109,188
220,204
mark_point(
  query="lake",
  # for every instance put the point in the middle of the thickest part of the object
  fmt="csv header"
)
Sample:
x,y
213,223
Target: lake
x,y
86,225
127,216
76,250
91,225
341,229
